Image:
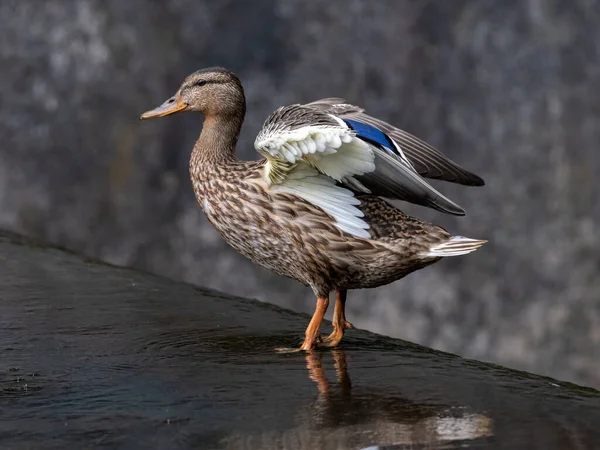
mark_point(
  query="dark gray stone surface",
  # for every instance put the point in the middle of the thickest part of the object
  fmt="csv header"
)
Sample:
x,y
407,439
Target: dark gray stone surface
x,y
508,88
96,356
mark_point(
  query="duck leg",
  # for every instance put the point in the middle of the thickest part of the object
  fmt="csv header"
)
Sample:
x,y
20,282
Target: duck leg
x,y
339,320
313,331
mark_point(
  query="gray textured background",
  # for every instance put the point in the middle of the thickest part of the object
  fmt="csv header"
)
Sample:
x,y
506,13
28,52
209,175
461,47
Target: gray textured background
x,y
509,89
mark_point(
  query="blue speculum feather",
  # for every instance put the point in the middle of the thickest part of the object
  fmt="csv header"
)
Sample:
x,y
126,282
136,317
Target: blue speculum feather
x,y
371,134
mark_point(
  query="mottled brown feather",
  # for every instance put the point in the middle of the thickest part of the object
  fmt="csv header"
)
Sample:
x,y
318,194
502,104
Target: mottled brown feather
x,y
294,238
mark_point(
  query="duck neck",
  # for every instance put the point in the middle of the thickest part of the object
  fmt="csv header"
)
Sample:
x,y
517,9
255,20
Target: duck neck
x,y
216,144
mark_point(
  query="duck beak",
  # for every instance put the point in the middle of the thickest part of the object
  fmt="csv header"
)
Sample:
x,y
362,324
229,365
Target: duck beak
x,y
171,106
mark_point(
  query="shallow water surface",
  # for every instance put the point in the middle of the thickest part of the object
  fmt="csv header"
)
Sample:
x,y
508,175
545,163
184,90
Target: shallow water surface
x,y
97,356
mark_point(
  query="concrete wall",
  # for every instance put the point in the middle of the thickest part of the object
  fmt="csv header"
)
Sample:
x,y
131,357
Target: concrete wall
x,y
509,89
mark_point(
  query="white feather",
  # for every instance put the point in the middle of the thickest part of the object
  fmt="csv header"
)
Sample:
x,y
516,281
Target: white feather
x,y
455,246
320,141
336,154
293,149
334,151
272,142
336,142
322,191
402,155
338,120
354,158
286,154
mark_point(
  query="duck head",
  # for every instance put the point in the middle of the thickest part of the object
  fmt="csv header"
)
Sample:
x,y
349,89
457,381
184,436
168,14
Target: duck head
x,y
213,92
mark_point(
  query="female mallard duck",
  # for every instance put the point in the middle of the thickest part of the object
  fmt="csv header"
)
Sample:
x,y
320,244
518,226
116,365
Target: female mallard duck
x,y
313,208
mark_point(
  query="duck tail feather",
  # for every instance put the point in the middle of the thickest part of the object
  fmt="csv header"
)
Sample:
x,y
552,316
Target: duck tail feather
x,y
455,246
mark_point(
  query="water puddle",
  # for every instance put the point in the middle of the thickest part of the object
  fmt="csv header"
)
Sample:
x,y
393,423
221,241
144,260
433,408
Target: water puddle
x,y
93,355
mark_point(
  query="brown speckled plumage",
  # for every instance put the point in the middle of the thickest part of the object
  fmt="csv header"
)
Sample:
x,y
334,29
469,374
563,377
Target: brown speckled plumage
x,y
283,232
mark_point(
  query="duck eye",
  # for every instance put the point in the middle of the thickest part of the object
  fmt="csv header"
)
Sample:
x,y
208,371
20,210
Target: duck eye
x,y
200,82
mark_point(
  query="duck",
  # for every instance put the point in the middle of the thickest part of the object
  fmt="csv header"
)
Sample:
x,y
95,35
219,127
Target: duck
x,y
321,205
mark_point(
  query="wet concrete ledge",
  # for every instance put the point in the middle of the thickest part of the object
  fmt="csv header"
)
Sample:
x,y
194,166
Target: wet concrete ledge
x,y
98,356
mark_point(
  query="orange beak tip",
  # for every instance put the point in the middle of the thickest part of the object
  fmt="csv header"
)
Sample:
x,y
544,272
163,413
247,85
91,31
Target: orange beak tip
x,y
167,108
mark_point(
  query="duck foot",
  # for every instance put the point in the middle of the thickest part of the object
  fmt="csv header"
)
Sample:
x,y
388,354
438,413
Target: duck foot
x,y
334,338
313,331
336,335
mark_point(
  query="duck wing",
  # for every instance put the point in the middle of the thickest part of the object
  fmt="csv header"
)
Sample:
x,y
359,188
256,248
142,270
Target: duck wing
x,y
353,154
426,160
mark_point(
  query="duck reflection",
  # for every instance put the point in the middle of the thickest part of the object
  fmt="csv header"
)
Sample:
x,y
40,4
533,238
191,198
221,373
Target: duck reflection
x,y
381,418
314,364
